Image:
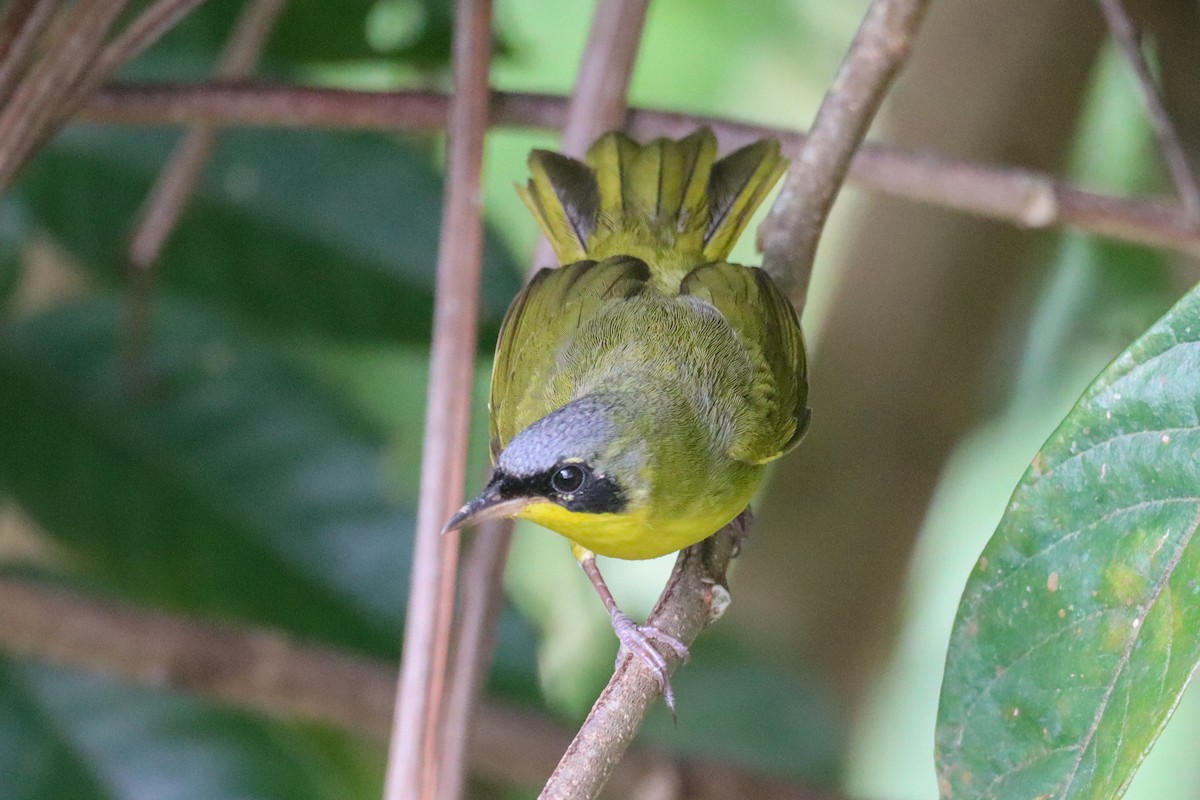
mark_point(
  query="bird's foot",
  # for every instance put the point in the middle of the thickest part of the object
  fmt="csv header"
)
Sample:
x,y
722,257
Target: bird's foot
x,y
639,640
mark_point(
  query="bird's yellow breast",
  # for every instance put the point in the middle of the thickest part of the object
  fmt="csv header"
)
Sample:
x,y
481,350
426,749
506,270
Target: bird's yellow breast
x,y
636,534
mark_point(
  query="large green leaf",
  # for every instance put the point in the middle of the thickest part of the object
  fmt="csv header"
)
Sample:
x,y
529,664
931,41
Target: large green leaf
x,y
66,737
311,230
233,484
1079,627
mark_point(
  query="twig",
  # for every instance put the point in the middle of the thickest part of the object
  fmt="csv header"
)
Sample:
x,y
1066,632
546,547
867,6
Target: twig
x,y
598,104
28,117
269,672
22,26
1126,37
1023,197
175,183
412,760
169,196
139,34
695,593
789,235
690,602
481,599
70,68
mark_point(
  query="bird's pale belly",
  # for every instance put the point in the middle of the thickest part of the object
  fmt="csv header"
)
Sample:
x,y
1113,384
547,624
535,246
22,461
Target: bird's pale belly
x,y
633,535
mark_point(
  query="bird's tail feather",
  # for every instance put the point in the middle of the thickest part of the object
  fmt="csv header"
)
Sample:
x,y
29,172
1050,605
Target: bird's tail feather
x,y
633,199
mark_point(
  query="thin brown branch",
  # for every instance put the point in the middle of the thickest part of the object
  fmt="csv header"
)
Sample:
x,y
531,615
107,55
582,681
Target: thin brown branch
x,y
1127,39
598,104
416,738
1022,197
175,183
21,28
694,597
268,672
28,118
173,189
481,599
789,235
131,42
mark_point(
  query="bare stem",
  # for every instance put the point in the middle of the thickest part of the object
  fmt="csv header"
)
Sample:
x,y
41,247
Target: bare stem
x,y
1022,197
416,737
598,104
481,598
28,118
789,235
695,596
173,189
1126,37
21,28
142,32
177,180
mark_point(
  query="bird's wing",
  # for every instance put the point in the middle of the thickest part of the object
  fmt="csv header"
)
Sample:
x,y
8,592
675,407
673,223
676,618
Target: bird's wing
x,y
766,323
527,377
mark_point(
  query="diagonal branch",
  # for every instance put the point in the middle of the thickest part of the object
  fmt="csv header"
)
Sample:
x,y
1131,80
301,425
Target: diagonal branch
x,y
1126,37
175,183
29,116
70,68
169,196
131,42
696,593
695,596
789,235
414,757
21,28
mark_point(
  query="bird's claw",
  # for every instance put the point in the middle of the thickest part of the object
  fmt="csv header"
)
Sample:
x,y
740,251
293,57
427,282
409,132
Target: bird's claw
x,y
639,640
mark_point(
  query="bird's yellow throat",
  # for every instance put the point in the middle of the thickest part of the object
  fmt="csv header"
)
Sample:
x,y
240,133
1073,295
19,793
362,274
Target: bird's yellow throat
x,y
635,534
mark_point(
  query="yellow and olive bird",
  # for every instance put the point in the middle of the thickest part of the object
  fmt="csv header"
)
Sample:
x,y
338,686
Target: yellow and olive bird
x,y
640,389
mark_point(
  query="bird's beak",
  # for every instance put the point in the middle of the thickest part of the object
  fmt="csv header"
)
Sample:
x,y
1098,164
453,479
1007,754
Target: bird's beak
x,y
488,505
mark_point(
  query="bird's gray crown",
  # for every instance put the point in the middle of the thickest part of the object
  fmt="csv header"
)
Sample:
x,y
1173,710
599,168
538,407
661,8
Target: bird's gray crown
x,y
580,430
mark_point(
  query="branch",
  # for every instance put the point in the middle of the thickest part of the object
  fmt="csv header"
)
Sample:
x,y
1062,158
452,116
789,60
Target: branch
x,y
175,183
696,593
789,235
70,68
414,757
1126,37
169,196
1022,197
28,118
142,32
21,27
271,673
598,104
694,597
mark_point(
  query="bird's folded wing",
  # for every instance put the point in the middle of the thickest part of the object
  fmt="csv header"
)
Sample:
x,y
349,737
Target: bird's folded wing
x,y
766,323
528,380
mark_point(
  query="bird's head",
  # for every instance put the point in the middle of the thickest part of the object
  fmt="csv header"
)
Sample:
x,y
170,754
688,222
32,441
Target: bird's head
x,y
585,458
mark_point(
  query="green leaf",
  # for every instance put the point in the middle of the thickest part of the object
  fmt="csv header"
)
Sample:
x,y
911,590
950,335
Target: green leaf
x,y
14,228
234,484
313,231
66,736
1079,627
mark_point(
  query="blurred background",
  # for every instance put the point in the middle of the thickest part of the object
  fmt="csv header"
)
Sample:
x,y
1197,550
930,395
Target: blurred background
x,y
255,458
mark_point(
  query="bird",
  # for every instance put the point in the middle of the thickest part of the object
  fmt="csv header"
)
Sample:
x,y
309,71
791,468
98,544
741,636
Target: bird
x,y
640,388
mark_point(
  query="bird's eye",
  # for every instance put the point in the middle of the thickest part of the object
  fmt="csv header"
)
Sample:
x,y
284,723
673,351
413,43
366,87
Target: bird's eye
x,y
567,479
